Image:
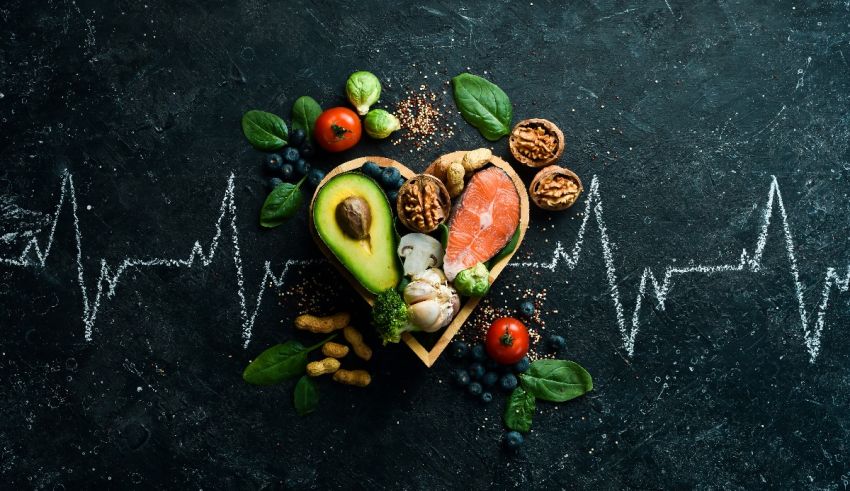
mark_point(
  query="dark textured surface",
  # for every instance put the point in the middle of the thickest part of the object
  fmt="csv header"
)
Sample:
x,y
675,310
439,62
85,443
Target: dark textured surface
x,y
682,109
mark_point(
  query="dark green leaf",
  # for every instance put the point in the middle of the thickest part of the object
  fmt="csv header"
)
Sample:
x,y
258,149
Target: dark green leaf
x,y
282,203
265,131
276,364
520,410
556,380
483,105
306,396
503,253
305,111
444,235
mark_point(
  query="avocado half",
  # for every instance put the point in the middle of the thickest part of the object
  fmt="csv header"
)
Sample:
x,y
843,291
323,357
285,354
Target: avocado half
x,y
371,260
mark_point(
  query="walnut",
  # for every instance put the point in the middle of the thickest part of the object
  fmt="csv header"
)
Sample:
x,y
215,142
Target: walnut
x,y
555,188
536,142
423,203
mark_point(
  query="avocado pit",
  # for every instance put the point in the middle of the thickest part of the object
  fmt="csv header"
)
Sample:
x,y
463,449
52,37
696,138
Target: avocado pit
x,y
354,217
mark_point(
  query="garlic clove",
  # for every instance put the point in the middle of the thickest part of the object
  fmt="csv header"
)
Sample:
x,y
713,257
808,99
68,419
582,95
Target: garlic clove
x,y
418,291
426,315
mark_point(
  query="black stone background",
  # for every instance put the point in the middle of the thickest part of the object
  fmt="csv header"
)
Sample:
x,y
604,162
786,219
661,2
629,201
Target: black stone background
x,y
683,109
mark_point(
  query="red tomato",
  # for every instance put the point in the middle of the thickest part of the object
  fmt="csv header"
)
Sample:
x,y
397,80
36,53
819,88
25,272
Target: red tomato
x,y
507,340
337,129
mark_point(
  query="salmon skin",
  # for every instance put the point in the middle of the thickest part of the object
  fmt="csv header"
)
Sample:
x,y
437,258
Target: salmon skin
x,y
482,222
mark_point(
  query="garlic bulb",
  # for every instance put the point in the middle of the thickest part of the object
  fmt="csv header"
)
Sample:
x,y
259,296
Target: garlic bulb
x,y
433,303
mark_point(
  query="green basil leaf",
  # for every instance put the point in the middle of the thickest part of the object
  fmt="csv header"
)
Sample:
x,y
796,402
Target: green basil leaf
x,y
305,111
265,131
509,248
520,410
306,396
483,105
276,364
282,203
556,380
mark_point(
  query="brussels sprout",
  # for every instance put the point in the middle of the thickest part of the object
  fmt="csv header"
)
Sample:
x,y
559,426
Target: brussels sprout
x,y
379,123
473,282
363,90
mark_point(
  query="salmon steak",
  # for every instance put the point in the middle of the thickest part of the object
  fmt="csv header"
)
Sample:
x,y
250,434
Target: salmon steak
x,y
482,222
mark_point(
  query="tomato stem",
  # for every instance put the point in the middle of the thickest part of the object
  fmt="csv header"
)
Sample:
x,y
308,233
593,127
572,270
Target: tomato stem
x,y
339,131
506,339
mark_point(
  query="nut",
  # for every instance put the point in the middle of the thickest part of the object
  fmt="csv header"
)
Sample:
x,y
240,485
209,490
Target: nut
x,y
555,188
454,179
354,217
536,142
476,159
423,203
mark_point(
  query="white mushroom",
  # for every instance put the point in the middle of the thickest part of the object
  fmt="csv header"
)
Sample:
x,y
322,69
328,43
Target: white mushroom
x,y
419,252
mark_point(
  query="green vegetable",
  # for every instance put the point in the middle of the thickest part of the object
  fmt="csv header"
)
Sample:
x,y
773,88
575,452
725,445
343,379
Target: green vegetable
x,y
280,362
520,410
281,204
379,124
306,396
390,316
444,235
504,251
556,380
483,105
265,131
305,111
363,90
473,282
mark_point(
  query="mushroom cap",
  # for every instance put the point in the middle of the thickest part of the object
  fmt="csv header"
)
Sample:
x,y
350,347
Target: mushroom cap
x,y
420,252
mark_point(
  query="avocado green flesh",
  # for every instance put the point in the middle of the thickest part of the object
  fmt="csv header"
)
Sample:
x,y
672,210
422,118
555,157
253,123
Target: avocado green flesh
x,y
371,261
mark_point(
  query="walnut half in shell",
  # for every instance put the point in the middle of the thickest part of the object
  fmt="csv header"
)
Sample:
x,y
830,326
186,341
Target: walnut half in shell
x,y
423,203
555,188
536,142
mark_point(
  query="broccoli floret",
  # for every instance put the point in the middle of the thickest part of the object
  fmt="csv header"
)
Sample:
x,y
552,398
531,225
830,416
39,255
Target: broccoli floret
x,y
390,316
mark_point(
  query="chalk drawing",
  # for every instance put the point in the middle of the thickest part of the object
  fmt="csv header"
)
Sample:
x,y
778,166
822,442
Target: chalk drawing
x,y
34,255
746,263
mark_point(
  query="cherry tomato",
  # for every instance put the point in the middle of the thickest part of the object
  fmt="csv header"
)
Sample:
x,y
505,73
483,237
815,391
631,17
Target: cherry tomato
x,y
507,340
337,129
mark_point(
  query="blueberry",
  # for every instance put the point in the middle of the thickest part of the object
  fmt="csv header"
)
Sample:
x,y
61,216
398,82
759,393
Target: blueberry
x,y
486,397
302,167
389,176
492,365
371,169
400,182
315,176
272,162
392,196
461,377
522,365
513,440
274,182
478,353
307,150
508,382
296,137
475,389
557,343
489,379
459,350
476,371
526,308
286,171
290,154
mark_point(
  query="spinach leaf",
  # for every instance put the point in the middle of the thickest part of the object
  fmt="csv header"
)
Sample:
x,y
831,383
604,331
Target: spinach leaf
x,y
504,251
483,105
306,396
280,362
265,131
520,410
282,203
444,235
556,380
276,364
305,111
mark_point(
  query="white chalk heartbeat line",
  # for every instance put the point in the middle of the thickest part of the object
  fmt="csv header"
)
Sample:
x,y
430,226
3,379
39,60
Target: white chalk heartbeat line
x,y
746,262
33,255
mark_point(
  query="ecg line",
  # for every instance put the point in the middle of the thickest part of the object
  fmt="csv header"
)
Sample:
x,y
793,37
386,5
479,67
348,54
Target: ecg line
x,y
593,206
33,255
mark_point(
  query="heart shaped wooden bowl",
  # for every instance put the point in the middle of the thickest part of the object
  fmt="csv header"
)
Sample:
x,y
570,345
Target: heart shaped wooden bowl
x,y
428,356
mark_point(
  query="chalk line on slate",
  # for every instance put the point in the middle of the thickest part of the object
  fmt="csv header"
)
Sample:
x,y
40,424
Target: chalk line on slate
x,y
34,255
593,205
